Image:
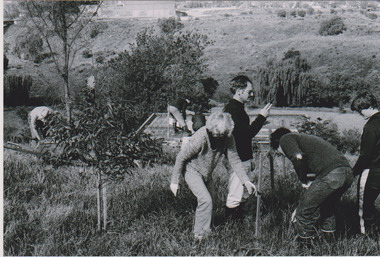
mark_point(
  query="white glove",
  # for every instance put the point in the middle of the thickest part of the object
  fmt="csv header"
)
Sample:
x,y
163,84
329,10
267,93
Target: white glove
x,y
293,219
174,188
265,110
250,187
307,185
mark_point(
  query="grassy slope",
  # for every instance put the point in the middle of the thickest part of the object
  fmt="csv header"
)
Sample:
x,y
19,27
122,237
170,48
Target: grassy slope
x,y
51,211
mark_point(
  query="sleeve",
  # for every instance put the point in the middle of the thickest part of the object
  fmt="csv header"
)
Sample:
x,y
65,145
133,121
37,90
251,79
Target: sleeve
x,y
235,161
240,126
191,149
367,146
293,152
32,124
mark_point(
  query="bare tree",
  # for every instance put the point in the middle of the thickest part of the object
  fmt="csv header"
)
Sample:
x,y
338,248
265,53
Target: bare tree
x,y
65,20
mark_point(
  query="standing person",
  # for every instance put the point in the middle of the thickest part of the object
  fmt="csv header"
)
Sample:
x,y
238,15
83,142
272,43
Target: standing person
x,y
37,122
323,170
178,111
243,133
197,161
368,163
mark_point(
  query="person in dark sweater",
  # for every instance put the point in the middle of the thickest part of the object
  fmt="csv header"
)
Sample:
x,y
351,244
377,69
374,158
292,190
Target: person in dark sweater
x,y
368,163
323,171
177,110
243,132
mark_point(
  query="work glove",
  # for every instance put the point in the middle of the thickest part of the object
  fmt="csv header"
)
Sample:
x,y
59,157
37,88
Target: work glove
x,y
174,188
250,187
265,111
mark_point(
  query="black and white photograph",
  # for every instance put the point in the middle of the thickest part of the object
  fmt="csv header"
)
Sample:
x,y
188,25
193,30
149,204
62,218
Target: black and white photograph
x,y
191,128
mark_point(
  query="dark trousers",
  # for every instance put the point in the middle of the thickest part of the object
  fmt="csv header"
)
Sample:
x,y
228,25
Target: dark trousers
x,y
368,191
320,200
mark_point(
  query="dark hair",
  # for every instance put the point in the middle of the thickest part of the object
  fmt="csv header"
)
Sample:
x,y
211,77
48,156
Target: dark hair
x,y
199,120
239,82
276,136
364,101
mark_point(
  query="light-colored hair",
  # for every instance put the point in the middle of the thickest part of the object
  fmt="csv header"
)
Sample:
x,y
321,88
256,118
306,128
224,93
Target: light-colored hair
x,y
220,123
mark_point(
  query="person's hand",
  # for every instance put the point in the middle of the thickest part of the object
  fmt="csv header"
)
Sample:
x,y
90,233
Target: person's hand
x,y
265,111
307,185
174,188
250,187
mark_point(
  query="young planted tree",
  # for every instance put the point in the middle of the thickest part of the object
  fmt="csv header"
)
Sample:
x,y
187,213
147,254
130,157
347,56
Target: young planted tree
x,y
63,22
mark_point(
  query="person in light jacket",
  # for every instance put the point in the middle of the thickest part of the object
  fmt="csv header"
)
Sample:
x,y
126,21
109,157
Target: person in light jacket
x,y
198,159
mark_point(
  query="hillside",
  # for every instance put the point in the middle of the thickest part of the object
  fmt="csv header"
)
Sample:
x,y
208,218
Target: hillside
x,y
244,39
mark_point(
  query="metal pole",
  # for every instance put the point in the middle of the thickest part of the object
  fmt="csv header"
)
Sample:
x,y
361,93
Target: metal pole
x,y
257,231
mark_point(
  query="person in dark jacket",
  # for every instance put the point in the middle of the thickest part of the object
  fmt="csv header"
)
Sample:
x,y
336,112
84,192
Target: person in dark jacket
x,y
323,170
368,163
244,131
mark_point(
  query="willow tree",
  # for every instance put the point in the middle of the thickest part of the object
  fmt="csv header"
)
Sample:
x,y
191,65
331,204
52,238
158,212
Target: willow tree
x,y
286,82
65,20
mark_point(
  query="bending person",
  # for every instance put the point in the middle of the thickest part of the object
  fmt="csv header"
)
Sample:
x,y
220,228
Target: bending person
x,y
197,161
37,122
323,170
178,111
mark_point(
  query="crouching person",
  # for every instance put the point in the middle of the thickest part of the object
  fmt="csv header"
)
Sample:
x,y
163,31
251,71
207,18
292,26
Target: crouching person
x,y
326,174
197,161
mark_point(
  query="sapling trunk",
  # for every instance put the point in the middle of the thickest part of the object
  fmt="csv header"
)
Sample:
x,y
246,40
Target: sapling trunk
x,y
98,201
104,187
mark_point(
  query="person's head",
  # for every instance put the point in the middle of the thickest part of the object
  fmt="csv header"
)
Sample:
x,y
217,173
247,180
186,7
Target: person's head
x,y
220,124
276,136
365,104
241,87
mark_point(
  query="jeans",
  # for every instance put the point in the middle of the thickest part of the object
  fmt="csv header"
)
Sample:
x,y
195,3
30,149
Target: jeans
x,y
323,194
237,192
204,191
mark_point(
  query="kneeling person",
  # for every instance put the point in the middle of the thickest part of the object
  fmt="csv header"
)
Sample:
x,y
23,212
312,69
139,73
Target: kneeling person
x,y
315,159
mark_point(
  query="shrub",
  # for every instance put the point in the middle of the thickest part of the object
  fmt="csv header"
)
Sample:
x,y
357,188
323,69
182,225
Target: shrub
x,y
348,141
293,13
310,10
372,16
94,32
87,53
169,25
301,13
333,26
281,13
156,70
100,59
28,46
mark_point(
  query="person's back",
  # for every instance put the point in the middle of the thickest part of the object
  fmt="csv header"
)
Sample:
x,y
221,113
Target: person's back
x,y
321,156
37,119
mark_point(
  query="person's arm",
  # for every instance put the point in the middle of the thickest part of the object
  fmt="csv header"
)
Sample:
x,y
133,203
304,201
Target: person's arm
x,y
293,152
191,149
33,129
367,146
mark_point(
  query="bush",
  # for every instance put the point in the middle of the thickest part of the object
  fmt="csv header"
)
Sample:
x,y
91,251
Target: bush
x,y
332,26
157,70
281,13
94,32
301,13
100,59
348,141
372,16
87,53
169,25
310,10
28,46
293,13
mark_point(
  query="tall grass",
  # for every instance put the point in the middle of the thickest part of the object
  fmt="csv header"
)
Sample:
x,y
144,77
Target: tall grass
x,y
53,212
